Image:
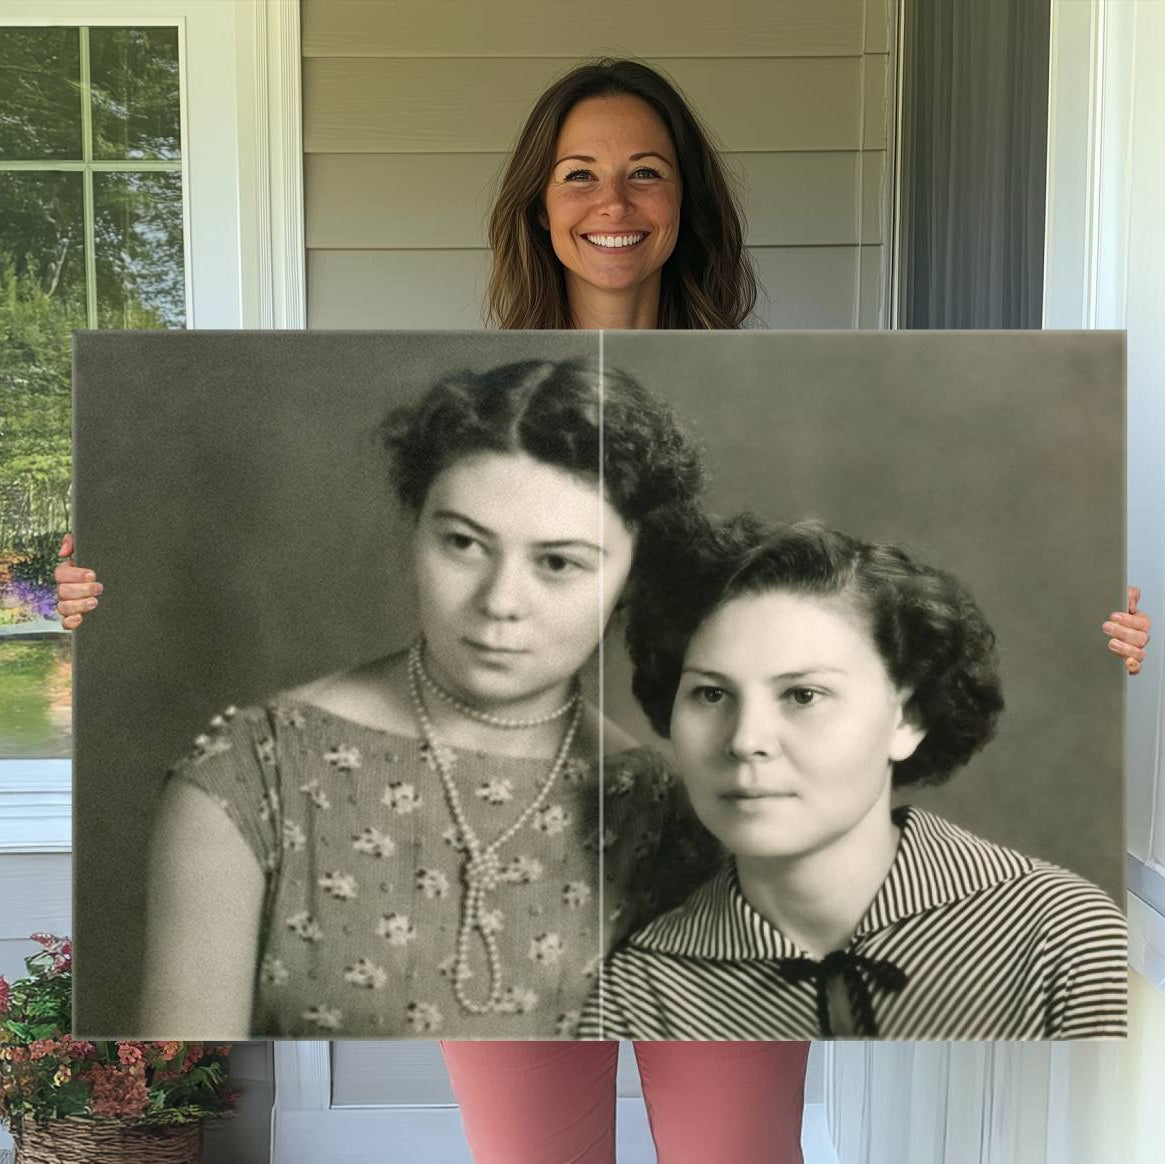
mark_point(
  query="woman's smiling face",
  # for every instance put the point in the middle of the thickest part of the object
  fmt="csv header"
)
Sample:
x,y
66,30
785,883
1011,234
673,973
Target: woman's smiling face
x,y
612,202
518,566
785,724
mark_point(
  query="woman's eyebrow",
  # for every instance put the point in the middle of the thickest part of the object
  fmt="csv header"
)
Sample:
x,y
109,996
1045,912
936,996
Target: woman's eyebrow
x,y
783,677
453,515
631,158
486,532
572,543
805,672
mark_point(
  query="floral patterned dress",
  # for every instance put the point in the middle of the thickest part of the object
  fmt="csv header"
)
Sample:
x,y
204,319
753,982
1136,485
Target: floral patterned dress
x,y
364,885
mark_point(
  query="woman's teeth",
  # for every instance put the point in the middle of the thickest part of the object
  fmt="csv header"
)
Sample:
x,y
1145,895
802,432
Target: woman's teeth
x,y
612,241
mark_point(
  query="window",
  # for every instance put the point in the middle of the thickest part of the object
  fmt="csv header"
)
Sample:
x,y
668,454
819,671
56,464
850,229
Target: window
x,y
92,234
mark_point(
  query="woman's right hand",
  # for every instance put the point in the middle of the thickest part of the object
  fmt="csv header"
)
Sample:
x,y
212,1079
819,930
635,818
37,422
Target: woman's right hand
x,y
77,589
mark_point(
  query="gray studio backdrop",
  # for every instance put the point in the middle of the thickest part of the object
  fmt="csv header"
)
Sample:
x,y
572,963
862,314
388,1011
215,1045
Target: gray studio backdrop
x,y
232,497
996,455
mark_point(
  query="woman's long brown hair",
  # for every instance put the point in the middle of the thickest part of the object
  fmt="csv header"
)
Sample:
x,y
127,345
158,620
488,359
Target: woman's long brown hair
x,y
707,282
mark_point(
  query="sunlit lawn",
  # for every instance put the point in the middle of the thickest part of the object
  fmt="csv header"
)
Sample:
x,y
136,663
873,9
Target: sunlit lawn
x,y
35,718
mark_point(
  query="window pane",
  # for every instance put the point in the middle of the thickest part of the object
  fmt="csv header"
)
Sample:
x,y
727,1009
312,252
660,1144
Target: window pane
x,y
42,239
34,688
134,77
140,280
42,297
40,104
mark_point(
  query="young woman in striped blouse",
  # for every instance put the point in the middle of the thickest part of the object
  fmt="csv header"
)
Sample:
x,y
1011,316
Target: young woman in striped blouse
x,y
801,674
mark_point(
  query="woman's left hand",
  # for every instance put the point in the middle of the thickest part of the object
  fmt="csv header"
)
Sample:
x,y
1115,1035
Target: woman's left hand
x,y
1128,632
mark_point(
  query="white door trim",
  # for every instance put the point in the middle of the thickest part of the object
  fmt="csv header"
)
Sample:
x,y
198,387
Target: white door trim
x,y
272,241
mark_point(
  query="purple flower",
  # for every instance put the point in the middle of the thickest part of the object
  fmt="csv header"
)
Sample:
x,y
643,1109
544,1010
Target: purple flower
x,y
38,598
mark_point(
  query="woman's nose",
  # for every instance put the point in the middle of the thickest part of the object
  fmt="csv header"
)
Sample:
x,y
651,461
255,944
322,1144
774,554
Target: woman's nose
x,y
615,197
752,735
502,594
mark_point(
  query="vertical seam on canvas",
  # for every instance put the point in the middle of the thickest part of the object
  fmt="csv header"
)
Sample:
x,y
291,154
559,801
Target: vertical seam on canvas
x,y
601,694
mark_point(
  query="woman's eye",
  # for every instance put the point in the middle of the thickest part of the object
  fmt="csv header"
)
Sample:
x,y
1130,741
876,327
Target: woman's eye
x,y
558,565
459,542
577,175
708,694
645,172
802,696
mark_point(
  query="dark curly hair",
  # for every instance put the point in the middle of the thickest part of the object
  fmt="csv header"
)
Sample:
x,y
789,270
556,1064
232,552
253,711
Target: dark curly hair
x,y
932,638
568,414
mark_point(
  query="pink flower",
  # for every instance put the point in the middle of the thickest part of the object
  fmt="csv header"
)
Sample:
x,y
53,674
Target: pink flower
x,y
5,991
117,1092
76,1049
193,1054
167,1050
60,948
42,1048
130,1053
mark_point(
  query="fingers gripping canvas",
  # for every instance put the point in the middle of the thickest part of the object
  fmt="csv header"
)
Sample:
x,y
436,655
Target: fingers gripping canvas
x,y
361,751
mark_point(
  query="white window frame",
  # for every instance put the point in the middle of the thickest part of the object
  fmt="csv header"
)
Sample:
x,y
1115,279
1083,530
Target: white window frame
x,y
242,176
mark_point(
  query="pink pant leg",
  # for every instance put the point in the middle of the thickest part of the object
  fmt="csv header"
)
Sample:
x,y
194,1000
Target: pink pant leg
x,y
724,1103
536,1103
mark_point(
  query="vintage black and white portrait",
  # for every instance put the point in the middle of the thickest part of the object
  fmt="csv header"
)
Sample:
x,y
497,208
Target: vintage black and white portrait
x,y
367,723
831,697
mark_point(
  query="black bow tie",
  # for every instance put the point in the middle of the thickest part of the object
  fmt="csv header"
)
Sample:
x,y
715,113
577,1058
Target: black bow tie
x,y
855,970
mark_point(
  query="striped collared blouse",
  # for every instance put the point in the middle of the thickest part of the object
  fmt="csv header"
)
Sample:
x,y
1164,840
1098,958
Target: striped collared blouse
x,y
965,940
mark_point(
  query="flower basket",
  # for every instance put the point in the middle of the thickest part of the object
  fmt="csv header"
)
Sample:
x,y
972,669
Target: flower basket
x,y
76,1101
76,1140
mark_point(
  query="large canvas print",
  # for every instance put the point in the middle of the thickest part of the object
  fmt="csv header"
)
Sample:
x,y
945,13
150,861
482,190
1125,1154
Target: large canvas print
x,y
361,751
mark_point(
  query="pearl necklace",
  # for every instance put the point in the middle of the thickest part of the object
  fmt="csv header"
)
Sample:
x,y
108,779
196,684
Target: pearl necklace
x,y
416,652
482,870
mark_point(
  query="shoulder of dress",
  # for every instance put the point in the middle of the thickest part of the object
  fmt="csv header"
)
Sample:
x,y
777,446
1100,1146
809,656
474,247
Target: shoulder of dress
x,y
1064,887
227,728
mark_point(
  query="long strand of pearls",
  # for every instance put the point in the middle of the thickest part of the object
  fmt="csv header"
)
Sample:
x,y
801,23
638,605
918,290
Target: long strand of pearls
x,y
471,712
482,869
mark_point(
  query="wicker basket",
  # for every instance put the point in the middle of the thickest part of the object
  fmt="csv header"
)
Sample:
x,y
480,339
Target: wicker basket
x,y
74,1140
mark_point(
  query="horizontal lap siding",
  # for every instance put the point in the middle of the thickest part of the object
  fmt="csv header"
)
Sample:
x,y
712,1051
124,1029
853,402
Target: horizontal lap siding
x,y
36,892
804,287
394,105
569,29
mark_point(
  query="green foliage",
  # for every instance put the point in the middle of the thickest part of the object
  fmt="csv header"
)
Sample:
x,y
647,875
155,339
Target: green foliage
x,y
35,409
36,556
46,1074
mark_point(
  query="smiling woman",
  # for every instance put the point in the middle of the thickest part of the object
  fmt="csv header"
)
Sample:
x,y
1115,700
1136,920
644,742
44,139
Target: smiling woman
x,y
613,205
615,211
